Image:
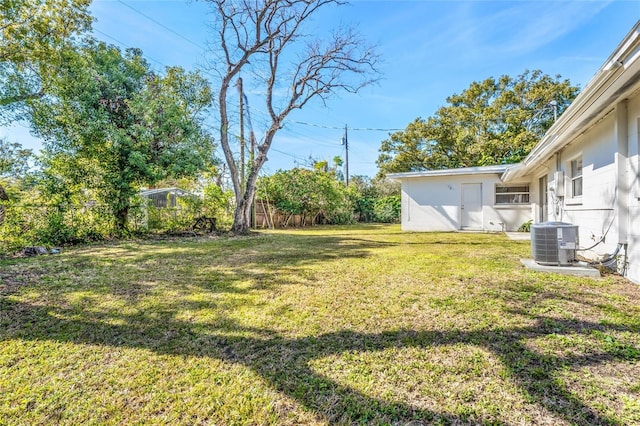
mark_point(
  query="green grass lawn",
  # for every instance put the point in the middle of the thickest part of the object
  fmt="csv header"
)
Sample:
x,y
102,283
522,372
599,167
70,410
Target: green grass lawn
x,y
329,325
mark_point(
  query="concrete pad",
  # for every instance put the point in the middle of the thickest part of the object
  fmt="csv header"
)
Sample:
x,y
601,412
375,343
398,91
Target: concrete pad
x,y
519,236
576,270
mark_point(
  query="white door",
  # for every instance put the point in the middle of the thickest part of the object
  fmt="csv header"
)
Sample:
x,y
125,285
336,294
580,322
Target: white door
x,y
544,196
471,207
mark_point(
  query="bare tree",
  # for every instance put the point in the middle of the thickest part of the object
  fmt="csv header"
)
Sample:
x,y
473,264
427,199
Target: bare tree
x,y
266,36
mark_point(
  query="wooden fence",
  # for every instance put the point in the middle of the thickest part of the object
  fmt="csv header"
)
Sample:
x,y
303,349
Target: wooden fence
x,y
268,216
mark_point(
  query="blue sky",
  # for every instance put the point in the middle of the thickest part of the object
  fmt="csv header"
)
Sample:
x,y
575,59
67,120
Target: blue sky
x,y
430,50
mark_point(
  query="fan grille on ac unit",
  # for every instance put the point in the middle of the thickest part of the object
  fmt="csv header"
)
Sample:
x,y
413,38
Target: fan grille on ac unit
x,y
554,243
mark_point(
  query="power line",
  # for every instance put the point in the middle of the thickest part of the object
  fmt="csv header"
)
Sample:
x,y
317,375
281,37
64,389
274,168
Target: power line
x,y
163,26
368,129
125,46
199,46
295,157
310,138
242,94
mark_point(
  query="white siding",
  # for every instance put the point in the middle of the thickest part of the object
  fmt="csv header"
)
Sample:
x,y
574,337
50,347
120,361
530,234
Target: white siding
x,y
597,211
594,212
633,251
433,204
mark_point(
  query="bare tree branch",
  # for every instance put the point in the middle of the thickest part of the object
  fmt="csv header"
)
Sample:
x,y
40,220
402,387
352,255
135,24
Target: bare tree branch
x,y
265,34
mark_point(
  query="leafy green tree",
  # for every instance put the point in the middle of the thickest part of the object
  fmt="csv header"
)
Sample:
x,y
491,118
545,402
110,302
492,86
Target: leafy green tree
x,y
308,193
363,195
14,159
333,169
407,150
112,125
387,209
216,201
375,200
34,36
494,121
14,164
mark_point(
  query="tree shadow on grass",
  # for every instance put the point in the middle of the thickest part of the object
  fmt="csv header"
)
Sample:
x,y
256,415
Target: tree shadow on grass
x,y
285,363
219,267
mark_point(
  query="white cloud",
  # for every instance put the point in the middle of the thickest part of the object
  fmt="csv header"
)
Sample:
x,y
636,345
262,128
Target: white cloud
x,y
517,33
473,30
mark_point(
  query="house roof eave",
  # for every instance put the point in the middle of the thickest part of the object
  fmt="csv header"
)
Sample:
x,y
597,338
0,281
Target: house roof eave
x,y
614,81
495,169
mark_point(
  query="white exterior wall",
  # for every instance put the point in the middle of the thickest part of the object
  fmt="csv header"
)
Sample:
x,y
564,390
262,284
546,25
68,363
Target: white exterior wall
x,y
433,204
606,171
633,249
430,204
595,211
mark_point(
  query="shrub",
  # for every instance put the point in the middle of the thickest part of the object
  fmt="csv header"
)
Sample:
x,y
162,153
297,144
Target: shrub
x,y
525,227
387,209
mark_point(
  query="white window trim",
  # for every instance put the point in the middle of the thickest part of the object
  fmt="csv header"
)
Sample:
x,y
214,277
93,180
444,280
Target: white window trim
x,y
507,205
573,178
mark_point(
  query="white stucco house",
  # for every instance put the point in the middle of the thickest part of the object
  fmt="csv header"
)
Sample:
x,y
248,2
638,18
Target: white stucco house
x,y
585,171
473,198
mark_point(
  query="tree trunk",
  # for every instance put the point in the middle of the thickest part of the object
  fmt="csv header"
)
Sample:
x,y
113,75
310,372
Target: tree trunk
x,y
242,217
122,220
242,214
3,197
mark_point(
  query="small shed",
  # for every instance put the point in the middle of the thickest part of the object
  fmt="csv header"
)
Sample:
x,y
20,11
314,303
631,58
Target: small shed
x,y
165,197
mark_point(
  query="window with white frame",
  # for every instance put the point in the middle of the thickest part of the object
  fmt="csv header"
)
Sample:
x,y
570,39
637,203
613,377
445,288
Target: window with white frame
x,y
512,194
576,177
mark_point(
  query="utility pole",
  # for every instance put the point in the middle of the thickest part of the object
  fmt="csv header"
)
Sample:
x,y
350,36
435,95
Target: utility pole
x,y
345,141
244,103
252,158
239,85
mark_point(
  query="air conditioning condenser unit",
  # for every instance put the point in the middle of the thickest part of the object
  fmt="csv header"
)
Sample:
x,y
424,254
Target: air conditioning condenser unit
x,y
554,243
